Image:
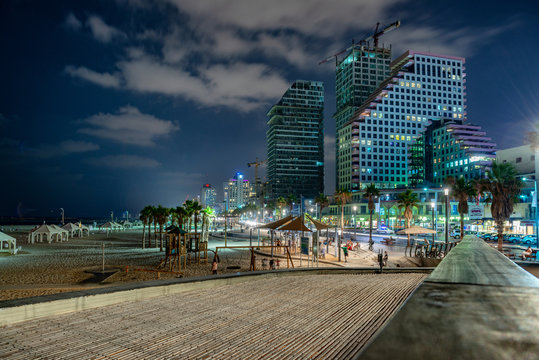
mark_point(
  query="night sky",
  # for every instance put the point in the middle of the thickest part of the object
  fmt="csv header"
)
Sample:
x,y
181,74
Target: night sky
x,y
113,105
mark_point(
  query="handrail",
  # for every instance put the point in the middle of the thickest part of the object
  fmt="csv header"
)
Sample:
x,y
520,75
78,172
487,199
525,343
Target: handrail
x,y
477,304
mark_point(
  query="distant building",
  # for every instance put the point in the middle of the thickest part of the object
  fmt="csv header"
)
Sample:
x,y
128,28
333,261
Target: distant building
x,y
450,147
373,144
236,192
295,142
208,196
524,158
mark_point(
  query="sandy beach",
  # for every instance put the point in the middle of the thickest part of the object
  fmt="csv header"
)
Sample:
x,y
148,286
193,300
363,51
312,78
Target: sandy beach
x,y
43,268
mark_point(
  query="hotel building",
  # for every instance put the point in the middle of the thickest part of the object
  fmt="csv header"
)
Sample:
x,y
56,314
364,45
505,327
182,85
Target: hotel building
x,y
236,192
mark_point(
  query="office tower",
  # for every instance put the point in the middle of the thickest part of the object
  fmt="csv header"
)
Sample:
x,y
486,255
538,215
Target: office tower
x,y
295,142
236,192
374,142
450,147
358,75
208,196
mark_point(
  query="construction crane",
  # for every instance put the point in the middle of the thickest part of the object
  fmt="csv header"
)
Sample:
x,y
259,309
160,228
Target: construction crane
x,y
256,164
374,37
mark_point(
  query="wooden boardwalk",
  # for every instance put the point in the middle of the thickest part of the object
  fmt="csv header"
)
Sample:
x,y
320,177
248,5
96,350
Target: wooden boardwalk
x,y
294,317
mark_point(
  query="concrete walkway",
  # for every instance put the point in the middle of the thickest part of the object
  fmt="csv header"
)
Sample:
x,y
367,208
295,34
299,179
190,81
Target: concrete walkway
x,y
294,317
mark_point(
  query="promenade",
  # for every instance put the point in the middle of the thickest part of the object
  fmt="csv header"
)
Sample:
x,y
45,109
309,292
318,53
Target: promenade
x,y
287,317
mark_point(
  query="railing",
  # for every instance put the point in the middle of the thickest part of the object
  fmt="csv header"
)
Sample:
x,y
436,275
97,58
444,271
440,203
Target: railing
x,y
477,304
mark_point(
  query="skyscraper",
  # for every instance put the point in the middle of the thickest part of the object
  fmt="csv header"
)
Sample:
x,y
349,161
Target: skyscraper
x,y
208,196
236,192
358,75
450,147
374,143
295,142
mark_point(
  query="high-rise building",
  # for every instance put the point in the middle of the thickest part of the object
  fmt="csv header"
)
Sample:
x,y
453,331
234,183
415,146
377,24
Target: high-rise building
x,y
450,147
295,142
373,146
208,196
236,192
358,75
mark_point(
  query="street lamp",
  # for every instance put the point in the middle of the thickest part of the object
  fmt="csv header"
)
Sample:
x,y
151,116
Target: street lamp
x,y
62,210
446,193
433,205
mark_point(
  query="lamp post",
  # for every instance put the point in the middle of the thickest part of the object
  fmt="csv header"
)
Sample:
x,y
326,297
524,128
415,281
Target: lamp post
x,y
62,210
433,205
446,193
355,220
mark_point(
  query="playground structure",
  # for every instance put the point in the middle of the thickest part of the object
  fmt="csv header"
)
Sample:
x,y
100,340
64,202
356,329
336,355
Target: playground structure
x,y
183,248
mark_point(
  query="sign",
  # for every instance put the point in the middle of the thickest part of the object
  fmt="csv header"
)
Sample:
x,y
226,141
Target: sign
x,y
305,245
476,212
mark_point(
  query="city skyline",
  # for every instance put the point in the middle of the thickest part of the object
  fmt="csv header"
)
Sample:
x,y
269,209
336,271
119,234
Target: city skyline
x,y
116,105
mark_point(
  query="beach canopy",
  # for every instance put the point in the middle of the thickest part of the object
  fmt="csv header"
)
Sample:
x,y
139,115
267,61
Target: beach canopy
x,y
296,224
317,224
8,243
49,232
111,225
76,229
172,229
274,225
413,230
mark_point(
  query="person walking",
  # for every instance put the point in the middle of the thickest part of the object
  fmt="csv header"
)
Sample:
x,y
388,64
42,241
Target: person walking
x,y
214,266
345,252
386,257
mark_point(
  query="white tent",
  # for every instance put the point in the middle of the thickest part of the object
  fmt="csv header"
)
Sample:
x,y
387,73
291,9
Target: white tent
x,y
46,232
74,230
8,243
110,226
64,234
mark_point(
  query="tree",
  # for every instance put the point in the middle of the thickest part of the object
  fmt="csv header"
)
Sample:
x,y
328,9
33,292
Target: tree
x,y
370,193
503,187
145,215
407,200
181,215
281,202
152,213
290,200
462,190
322,201
342,196
188,206
162,217
196,208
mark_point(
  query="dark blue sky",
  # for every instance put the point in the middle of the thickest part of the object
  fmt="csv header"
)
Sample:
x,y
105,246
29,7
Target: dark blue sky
x,y
112,105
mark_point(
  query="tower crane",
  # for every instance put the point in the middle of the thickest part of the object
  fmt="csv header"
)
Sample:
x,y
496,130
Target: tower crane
x,y
374,37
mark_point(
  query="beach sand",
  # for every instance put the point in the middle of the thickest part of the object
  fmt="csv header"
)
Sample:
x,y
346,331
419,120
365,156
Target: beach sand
x,y
43,268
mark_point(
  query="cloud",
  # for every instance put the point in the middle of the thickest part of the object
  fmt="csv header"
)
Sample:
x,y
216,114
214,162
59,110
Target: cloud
x,y
102,79
101,31
64,148
72,22
180,178
128,126
124,162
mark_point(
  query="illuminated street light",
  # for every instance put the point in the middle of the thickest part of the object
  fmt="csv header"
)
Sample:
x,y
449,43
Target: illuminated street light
x,y
355,220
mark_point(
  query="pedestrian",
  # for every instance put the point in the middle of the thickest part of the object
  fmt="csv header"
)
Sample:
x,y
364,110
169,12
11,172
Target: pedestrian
x,y
345,251
386,257
272,264
214,266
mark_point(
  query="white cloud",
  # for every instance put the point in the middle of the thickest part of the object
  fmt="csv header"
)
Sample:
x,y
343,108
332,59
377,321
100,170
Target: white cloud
x,y
101,31
124,162
72,22
128,126
64,148
103,79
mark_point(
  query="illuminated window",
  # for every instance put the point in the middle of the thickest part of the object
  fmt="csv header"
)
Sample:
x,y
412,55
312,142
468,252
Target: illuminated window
x,y
408,138
407,117
419,86
407,84
413,85
413,118
402,83
397,137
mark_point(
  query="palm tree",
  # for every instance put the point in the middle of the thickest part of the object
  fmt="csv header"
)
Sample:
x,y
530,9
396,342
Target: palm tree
x,y
342,196
503,186
188,206
462,190
281,202
322,201
290,200
407,200
145,215
162,217
181,214
370,193
151,220
196,208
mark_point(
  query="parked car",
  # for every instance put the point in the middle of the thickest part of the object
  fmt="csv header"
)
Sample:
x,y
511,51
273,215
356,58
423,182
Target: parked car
x,y
529,239
385,231
515,238
455,234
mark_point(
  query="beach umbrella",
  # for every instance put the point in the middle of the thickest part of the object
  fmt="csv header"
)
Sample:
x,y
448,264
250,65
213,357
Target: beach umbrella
x,y
414,230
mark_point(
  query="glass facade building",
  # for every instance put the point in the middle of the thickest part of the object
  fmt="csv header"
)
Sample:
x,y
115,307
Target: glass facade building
x,y
374,143
358,75
236,192
295,142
